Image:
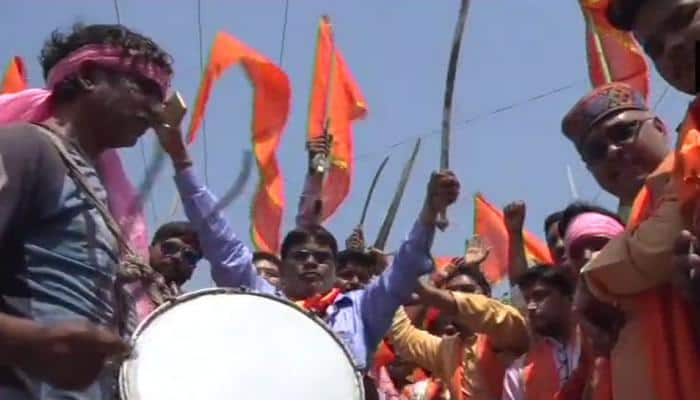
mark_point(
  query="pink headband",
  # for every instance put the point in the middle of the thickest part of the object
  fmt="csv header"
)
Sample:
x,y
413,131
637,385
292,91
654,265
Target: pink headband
x,y
108,56
591,225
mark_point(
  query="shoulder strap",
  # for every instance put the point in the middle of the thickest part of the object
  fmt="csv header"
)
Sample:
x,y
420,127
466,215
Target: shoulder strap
x,y
79,179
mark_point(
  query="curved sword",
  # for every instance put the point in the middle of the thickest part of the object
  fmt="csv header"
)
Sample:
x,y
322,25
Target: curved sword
x,y
449,91
383,235
371,189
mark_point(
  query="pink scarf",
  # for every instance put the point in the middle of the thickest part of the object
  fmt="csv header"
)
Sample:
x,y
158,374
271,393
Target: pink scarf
x,y
590,225
34,105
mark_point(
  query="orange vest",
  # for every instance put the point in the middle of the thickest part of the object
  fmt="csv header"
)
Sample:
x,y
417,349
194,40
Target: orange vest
x,y
541,376
670,350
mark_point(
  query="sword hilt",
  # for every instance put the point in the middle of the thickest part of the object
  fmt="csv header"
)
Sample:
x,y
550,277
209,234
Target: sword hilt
x,y
441,222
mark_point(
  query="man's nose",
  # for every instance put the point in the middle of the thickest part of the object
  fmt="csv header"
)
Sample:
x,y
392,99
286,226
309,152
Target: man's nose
x,y
310,264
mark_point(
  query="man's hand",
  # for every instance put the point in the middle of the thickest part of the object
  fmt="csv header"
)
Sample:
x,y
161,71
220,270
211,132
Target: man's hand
x,y
686,275
514,217
318,146
70,355
356,240
477,252
443,190
172,142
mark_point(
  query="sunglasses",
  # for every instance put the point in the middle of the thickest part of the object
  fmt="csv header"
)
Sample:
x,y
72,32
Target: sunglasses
x,y
172,248
321,257
622,134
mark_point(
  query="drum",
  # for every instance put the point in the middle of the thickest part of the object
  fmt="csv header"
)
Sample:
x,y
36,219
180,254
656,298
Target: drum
x,y
230,344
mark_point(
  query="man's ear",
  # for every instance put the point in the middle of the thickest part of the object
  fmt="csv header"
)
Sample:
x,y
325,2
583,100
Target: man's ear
x,y
86,76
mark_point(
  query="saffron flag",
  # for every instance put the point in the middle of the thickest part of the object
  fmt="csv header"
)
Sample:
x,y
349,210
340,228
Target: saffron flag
x,y
271,102
488,223
15,78
613,55
337,100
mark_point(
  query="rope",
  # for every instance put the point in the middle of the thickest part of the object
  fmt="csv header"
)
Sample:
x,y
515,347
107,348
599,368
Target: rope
x,y
473,119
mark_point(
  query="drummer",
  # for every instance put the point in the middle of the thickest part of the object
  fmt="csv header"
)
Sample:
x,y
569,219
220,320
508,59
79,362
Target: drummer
x,y
308,253
57,299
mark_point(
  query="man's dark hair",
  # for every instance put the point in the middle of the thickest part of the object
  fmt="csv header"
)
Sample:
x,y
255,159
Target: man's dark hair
x,y
59,45
316,233
474,272
175,229
554,276
263,255
623,13
575,209
356,256
551,219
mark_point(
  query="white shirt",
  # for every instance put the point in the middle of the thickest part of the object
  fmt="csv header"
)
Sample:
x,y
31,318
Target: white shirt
x,y
566,358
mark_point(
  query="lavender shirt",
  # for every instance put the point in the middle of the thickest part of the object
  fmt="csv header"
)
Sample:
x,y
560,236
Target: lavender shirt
x,y
360,318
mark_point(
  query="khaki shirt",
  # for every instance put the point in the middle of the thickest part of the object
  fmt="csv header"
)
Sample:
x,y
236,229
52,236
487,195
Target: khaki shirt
x,y
503,325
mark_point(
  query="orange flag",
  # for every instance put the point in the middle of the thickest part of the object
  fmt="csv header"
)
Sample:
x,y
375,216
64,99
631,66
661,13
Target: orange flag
x,y
613,55
488,223
15,78
336,98
272,96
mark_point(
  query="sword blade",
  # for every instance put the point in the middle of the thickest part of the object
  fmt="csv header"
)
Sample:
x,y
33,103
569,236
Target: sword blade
x,y
239,184
385,229
371,189
449,84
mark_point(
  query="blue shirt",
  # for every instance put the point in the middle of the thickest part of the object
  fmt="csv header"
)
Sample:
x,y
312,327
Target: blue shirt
x,y
360,318
59,258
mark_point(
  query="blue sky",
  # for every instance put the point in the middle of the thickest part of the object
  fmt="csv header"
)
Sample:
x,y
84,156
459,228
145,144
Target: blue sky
x,y
512,51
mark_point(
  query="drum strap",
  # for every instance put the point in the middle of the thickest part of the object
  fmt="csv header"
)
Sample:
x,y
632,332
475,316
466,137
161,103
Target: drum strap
x,y
131,267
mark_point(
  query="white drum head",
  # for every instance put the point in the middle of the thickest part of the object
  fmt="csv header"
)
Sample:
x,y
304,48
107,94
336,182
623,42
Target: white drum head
x,y
217,344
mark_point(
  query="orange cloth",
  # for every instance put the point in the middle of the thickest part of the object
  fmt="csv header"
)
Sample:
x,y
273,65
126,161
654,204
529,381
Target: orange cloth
x,y
336,98
541,376
488,223
655,356
319,303
687,168
272,95
613,55
15,78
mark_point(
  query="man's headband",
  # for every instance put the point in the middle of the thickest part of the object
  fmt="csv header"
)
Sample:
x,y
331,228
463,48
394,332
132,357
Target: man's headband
x,y
112,57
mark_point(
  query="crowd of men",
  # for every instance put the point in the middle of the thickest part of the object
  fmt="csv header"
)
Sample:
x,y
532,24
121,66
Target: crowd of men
x,y
616,316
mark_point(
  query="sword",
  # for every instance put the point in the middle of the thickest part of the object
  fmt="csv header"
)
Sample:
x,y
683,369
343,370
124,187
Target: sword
x,y
321,163
394,206
239,184
442,221
371,189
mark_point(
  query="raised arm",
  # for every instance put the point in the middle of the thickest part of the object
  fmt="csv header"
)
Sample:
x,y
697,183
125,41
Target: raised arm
x,y
230,259
310,203
384,296
502,324
414,344
514,219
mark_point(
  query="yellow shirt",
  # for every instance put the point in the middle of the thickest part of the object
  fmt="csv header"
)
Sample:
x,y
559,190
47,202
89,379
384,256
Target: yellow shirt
x,y
500,324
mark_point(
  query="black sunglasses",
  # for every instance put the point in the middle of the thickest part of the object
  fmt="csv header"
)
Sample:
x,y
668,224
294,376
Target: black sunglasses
x,y
321,257
189,255
595,151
